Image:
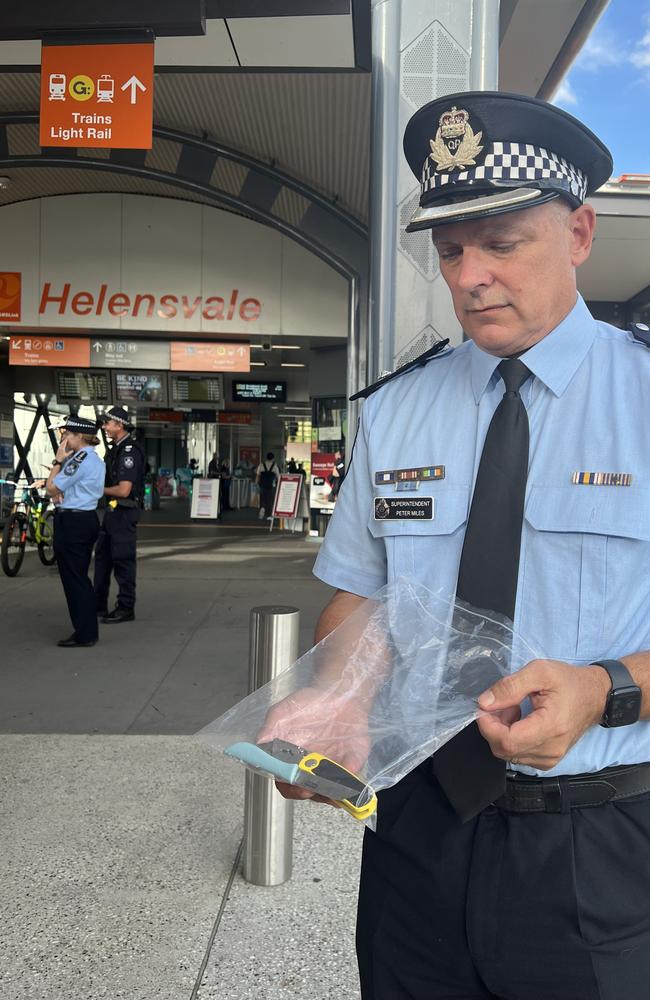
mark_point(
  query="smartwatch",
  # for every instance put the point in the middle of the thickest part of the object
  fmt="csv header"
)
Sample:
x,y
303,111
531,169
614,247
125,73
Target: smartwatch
x,y
623,706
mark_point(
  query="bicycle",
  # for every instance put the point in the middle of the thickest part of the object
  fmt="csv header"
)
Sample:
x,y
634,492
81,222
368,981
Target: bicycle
x,y
31,520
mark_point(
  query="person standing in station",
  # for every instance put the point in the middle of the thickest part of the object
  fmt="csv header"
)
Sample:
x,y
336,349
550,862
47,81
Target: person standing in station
x,y
116,545
226,478
76,484
266,477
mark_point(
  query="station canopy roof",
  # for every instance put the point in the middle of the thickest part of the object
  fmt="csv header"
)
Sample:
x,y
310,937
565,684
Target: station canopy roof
x,y
287,83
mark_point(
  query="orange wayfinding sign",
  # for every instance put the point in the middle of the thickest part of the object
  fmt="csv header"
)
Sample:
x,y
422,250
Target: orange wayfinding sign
x,y
210,357
97,95
38,350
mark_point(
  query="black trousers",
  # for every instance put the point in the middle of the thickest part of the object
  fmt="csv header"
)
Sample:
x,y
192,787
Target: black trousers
x,y
75,533
267,497
510,906
116,553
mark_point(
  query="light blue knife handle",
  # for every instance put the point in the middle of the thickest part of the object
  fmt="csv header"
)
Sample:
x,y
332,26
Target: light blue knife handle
x,y
254,756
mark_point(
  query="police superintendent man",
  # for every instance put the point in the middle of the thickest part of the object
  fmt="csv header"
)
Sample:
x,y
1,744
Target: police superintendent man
x,y
115,551
544,895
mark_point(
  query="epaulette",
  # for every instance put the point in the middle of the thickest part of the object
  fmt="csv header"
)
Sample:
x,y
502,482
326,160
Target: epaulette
x,y
408,367
641,332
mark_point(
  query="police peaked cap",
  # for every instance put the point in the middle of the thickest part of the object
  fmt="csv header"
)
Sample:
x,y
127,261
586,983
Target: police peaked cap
x,y
483,153
79,425
117,413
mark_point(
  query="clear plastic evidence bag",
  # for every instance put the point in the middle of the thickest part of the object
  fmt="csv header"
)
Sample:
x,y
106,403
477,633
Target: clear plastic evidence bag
x,y
387,688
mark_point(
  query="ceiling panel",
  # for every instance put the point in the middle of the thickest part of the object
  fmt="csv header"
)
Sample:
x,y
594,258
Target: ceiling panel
x,y
534,36
42,182
294,41
314,41
626,240
313,126
213,49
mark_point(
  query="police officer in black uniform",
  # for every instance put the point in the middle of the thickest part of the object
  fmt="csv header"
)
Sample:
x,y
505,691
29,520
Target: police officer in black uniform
x,y
124,491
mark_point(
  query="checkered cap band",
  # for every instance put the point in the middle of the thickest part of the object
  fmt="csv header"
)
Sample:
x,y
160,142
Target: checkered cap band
x,y
80,425
516,162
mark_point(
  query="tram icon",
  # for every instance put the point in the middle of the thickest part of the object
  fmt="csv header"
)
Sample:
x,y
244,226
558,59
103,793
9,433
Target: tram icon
x,y
105,89
57,86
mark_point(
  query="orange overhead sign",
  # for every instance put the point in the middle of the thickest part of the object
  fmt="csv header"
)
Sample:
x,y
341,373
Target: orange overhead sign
x,y
50,352
97,95
10,285
210,357
231,417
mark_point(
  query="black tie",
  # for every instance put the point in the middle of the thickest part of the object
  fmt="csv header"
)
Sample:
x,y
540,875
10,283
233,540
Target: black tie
x,y
469,774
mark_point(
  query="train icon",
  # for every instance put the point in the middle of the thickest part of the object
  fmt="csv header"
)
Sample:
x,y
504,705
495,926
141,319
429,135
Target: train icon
x,y
105,89
57,87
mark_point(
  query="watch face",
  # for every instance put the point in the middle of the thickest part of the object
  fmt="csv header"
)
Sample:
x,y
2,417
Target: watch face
x,y
624,707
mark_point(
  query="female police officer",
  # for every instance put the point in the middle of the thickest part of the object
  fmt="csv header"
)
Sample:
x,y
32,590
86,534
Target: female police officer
x,y
76,482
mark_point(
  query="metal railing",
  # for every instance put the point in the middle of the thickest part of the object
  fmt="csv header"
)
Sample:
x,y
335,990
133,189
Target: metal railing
x,y
268,818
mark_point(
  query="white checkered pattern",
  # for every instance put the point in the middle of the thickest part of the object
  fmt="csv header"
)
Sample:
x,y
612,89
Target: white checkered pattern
x,y
513,161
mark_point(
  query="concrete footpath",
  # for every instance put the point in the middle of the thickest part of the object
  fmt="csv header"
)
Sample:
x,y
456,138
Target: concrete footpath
x,y
121,833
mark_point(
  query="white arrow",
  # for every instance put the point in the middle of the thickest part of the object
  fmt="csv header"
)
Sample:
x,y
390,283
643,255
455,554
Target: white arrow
x,y
16,344
134,84
97,346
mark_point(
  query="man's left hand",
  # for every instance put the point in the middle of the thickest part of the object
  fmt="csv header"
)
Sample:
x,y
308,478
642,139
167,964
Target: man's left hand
x,y
566,702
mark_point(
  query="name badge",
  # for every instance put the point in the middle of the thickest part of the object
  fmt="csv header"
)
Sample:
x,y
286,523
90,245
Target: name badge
x,y
403,508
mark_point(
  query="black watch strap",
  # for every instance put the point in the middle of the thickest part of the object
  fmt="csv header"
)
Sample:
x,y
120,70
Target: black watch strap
x,y
625,691
56,462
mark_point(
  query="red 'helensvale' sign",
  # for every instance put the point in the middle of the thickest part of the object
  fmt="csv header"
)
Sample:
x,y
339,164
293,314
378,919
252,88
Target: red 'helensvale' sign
x,y
64,300
97,96
10,287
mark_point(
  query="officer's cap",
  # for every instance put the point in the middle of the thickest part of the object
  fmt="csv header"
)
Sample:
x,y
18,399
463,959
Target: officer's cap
x,y
482,153
117,413
79,425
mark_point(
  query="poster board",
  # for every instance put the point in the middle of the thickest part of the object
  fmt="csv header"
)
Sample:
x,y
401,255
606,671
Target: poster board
x,y
287,495
320,489
205,498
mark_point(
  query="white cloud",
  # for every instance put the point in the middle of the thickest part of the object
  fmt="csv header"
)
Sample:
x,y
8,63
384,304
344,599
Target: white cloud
x,y
641,55
565,94
601,49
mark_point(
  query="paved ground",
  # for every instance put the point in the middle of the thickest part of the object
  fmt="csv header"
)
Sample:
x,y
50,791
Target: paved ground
x,y
121,833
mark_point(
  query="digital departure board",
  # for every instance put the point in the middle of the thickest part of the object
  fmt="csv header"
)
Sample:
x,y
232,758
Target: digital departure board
x,y
147,388
196,389
261,392
86,387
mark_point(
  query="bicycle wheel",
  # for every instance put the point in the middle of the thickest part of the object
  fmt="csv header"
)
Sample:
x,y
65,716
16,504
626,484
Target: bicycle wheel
x,y
46,544
12,551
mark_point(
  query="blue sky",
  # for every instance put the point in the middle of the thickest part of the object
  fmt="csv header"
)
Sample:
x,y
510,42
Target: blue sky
x,y
608,86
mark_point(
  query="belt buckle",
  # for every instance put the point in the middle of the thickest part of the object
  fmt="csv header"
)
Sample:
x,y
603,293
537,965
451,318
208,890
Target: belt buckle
x,y
552,794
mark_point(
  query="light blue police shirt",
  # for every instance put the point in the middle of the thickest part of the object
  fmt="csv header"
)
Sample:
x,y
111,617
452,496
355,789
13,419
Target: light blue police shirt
x,y
81,480
584,574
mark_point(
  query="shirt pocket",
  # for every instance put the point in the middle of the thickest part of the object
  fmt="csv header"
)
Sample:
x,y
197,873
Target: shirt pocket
x,y
586,549
426,550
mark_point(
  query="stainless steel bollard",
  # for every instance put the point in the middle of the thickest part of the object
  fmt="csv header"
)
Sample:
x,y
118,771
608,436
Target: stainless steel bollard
x,y
268,818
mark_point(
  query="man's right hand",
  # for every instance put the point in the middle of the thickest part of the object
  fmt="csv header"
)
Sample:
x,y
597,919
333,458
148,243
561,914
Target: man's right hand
x,y
335,725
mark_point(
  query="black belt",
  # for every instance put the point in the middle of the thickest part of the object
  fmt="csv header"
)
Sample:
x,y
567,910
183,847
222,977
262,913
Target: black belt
x,y
72,510
525,793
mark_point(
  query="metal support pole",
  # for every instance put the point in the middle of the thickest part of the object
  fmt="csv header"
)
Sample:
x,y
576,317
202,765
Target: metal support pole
x,y
268,818
484,67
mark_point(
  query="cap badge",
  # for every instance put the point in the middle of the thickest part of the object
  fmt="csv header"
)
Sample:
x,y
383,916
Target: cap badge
x,y
455,144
